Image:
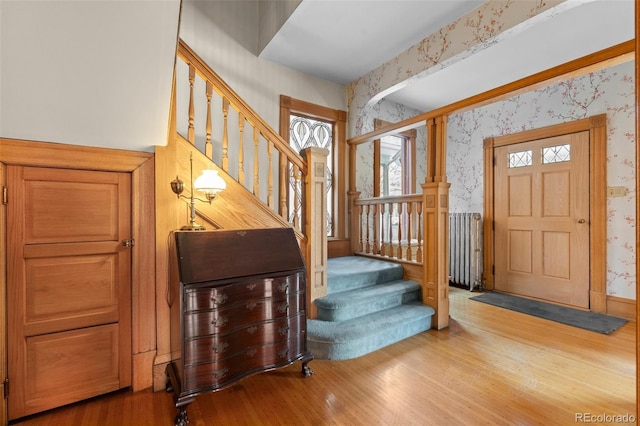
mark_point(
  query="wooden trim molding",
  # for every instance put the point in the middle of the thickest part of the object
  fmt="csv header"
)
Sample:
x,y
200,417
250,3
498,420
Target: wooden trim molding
x,y
4,374
408,182
141,165
609,57
621,308
596,126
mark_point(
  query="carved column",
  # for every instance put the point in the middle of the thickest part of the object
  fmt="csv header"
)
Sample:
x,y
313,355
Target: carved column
x,y
435,190
435,292
315,225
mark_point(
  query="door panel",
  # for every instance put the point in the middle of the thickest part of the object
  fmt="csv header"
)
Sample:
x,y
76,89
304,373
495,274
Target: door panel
x,y
541,219
71,365
69,308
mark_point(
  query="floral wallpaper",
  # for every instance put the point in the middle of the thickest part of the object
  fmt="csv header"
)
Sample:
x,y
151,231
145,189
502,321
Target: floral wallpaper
x,y
610,91
479,29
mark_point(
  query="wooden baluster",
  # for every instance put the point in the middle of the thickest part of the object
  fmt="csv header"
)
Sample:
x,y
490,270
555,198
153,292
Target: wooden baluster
x,y
270,174
376,223
419,223
360,237
208,147
256,183
383,209
225,135
241,149
409,254
399,253
191,135
366,227
284,182
297,197
390,239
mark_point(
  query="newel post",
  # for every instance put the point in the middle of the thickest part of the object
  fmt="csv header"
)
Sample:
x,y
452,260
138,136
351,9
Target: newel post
x,y
315,224
435,190
436,250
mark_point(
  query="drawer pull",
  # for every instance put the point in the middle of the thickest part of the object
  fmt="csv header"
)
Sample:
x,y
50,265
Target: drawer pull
x,y
252,329
219,299
220,322
251,306
251,352
219,348
251,286
219,374
283,287
283,331
284,307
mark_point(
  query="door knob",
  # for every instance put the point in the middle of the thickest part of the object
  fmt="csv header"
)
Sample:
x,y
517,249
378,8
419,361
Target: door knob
x,y
581,221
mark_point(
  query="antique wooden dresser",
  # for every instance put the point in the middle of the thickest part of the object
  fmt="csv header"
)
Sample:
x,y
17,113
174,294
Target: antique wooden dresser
x,y
237,302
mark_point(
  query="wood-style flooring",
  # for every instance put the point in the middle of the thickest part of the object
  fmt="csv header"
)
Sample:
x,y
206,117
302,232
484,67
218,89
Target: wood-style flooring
x,y
491,366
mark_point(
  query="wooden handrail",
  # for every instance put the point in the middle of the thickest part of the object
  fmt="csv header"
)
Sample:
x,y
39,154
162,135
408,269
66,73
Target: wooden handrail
x,y
395,199
207,74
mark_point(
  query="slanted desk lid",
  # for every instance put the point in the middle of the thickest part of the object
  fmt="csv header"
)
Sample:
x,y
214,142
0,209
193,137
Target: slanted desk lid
x,y
215,255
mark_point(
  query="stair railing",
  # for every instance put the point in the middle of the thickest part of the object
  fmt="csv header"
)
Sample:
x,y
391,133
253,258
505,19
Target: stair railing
x,y
390,227
290,184
250,151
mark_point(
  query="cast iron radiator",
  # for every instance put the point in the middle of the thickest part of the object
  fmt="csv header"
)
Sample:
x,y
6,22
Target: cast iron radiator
x,y
465,249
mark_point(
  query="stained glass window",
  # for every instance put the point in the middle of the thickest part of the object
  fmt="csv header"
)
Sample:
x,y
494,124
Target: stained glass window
x,y
306,132
556,154
520,159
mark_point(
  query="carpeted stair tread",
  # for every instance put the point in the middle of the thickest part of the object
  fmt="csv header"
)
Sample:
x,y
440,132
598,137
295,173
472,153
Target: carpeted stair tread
x,y
358,336
353,303
351,272
345,298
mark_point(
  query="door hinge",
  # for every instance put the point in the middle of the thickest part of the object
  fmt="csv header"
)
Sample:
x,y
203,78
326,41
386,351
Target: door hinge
x,y
5,195
5,388
128,243
493,269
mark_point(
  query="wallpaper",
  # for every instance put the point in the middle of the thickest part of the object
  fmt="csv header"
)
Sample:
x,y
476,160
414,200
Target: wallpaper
x,y
477,30
610,92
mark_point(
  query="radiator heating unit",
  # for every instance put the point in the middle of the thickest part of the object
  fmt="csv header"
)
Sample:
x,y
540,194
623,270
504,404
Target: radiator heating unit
x,y
465,250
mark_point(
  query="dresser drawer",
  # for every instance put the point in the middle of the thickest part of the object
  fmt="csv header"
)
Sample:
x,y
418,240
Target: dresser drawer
x,y
220,346
200,298
253,359
241,314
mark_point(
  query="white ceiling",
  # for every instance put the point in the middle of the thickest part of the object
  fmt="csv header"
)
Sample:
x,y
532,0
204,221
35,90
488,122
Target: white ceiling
x,y
343,40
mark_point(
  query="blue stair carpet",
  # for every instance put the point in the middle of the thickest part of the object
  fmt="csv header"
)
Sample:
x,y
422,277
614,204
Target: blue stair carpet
x,y
368,306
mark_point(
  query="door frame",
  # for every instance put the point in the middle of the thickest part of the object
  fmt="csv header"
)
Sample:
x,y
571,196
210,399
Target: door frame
x,y
141,165
597,127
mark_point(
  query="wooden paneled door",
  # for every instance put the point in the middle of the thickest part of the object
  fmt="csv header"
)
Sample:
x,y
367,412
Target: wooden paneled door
x,y
68,287
542,219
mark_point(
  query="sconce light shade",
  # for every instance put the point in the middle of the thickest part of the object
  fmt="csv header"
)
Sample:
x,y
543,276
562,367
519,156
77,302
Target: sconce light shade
x,y
209,183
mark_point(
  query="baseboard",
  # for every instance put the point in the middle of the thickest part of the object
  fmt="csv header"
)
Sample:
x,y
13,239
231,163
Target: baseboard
x,y
622,308
143,370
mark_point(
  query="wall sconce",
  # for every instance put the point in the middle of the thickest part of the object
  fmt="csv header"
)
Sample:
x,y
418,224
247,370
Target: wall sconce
x,y
208,183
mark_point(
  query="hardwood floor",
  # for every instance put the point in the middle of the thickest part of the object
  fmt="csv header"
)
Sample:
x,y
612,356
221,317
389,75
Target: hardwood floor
x,y
491,366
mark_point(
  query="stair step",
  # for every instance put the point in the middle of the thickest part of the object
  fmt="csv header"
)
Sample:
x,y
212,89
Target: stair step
x,y
351,272
339,340
349,304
